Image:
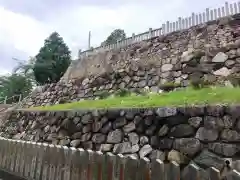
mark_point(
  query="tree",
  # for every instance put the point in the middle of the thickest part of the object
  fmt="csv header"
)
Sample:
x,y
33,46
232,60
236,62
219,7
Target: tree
x,y
115,36
26,68
13,86
52,60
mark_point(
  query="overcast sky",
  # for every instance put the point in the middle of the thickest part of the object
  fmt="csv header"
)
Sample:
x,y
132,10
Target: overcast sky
x,y
24,24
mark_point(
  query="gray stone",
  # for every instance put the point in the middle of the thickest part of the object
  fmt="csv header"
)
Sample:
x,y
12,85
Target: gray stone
x,y
222,72
188,146
157,154
165,144
133,138
187,56
211,122
122,148
207,159
182,130
129,127
144,140
224,149
115,136
230,135
195,121
106,128
166,112
178,157
77,135
75,143
98,138
145,150
163,130
87,119
135,148
207,135
119,122
166,67
106,147
64,142
220,58
86,137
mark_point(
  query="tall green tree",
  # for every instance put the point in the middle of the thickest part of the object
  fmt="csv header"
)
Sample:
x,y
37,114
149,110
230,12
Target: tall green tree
x,y
52,60
14,85
115,36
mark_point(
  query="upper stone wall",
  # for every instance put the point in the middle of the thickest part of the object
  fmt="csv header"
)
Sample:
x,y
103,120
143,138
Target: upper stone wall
x,y
163,52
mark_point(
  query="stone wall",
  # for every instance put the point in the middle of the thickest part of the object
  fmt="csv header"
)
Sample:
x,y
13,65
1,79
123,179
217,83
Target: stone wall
x,y
208,52
205,135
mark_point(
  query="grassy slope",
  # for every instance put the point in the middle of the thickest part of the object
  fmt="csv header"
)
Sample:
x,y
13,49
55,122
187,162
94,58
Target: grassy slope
x,y
217,95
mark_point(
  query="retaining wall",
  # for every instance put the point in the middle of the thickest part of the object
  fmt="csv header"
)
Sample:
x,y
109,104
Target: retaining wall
x,y
203,135
209,52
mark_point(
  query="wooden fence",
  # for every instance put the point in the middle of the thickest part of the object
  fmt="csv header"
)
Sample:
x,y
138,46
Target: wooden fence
x,y
168,27
40,161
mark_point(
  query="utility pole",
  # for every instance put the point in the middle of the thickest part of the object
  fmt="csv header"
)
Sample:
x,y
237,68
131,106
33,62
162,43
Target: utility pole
x,y
89,39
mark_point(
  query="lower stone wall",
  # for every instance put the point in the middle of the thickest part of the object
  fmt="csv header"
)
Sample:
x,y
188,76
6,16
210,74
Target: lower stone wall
x,y
205,135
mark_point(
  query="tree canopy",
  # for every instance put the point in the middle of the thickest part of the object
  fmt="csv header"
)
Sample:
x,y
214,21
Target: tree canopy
x,y
115,36
13,86
52,60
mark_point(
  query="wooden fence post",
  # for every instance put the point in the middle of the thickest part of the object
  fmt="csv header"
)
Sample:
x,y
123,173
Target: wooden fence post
x,y
157,168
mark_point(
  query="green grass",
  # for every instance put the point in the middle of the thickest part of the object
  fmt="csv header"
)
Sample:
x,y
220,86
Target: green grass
x,y
217,95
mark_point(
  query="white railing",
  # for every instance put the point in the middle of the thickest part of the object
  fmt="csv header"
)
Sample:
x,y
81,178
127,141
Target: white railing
x,y
168,27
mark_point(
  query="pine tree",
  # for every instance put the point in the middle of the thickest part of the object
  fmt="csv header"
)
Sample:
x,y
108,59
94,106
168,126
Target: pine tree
x,y
52,60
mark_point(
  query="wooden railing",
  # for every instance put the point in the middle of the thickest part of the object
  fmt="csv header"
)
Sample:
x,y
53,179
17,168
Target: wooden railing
x,y
41,161
168,27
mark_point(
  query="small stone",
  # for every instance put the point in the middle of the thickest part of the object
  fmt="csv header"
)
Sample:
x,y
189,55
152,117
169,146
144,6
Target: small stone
x,y
115,136
87,119
122,148
163,130
86,137
195,121
129,127
135,148
165,144
207,159
222,72
182,130
189,146
144,140
166,112
64,142
133,138
166,67
230,135
77,135
98,138
145,150
75,143
228,150
220,58
106,147
178,157
106,128
207,135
